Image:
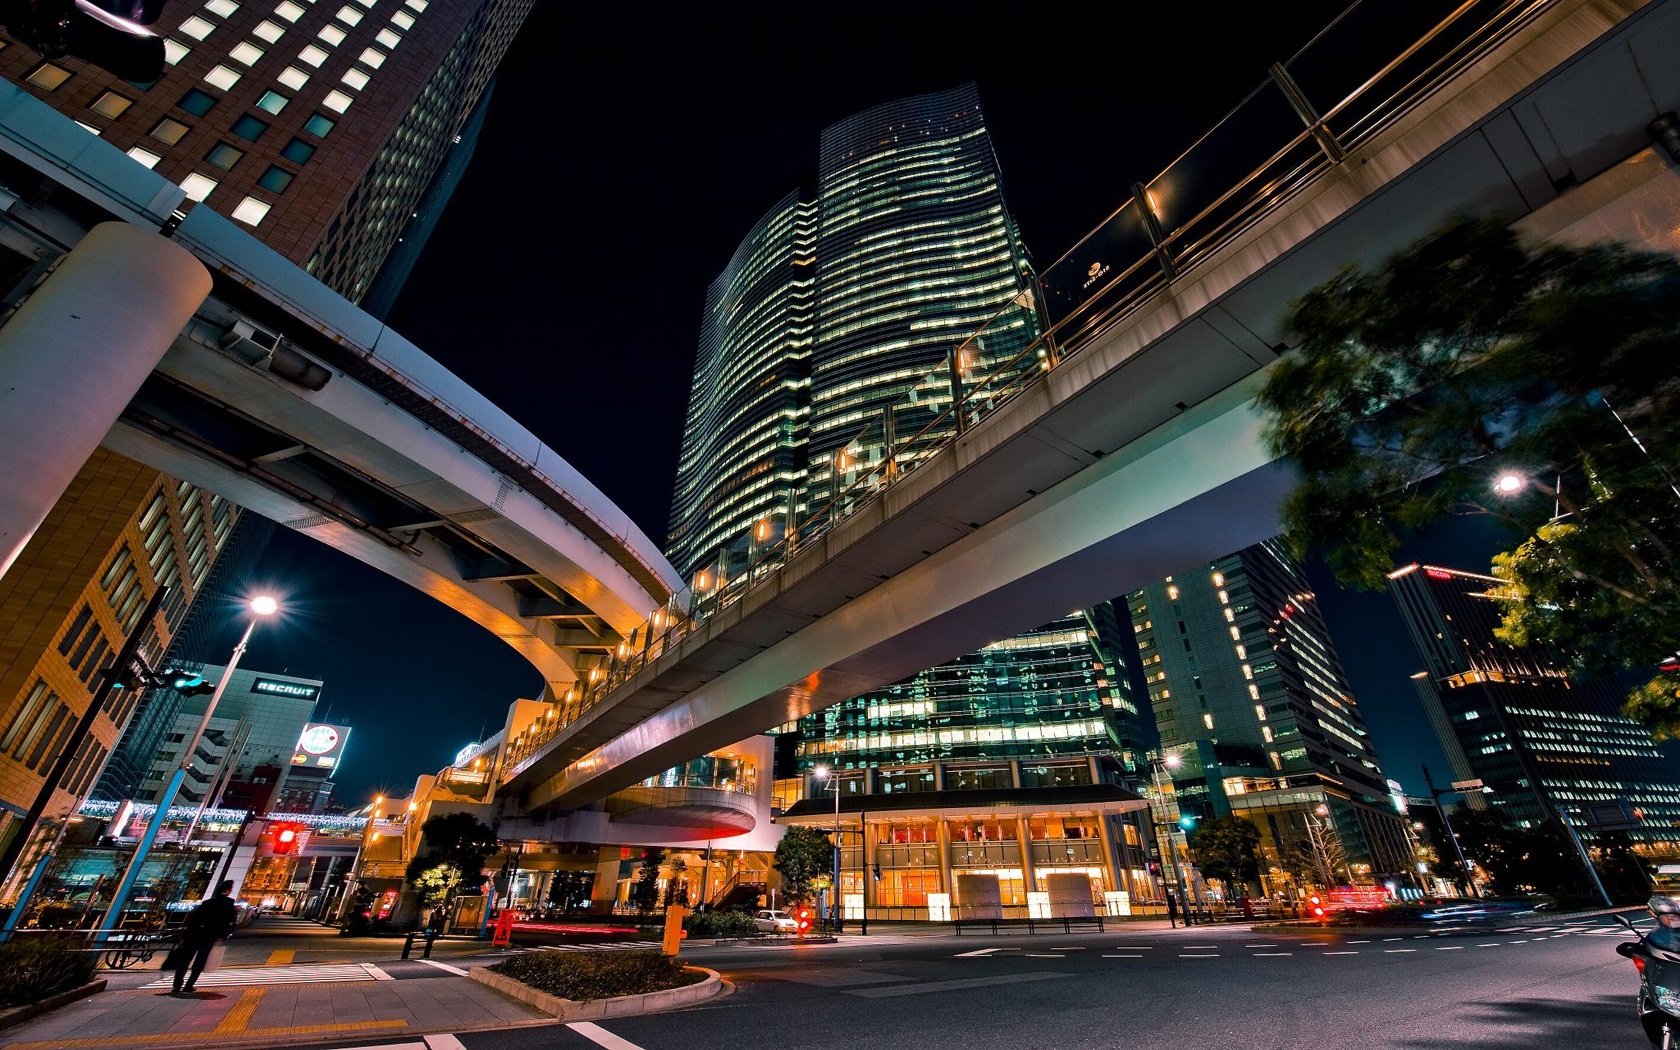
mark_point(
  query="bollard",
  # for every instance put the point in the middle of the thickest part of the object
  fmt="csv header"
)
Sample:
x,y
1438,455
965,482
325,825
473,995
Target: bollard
x,y
431,938
674,932
408,944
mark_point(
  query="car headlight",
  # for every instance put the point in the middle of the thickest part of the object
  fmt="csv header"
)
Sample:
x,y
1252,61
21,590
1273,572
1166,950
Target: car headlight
x,y
1668,999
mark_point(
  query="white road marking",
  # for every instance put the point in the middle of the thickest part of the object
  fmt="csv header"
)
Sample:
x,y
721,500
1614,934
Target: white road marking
x,y
443,1041
1272,955
600,1036
978,953
1450,948
1524,941
1181,955
456,970
1396,951
1136,947
1259,946
1075,948
376,973
1122,956
1359,942
1044,955
1391,938
1487,945
1341,953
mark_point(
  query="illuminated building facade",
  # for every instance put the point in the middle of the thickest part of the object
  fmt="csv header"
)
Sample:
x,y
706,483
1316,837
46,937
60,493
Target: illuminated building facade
x,y
1250,696
1515,720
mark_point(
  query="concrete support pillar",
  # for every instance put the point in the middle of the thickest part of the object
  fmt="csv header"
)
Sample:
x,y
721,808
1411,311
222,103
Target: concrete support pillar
x,y
1111,861
73,356
870,835
1023,833
605,890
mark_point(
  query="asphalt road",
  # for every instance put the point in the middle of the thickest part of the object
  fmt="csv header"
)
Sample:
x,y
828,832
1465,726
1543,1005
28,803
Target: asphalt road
x,y
1557,985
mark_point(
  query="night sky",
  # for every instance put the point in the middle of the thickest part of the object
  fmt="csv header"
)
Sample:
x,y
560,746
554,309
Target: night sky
x,y
621,164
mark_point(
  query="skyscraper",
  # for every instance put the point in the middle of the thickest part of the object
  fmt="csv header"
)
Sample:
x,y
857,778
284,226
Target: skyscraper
x,y
1513,718
317,126
829,315
1250,695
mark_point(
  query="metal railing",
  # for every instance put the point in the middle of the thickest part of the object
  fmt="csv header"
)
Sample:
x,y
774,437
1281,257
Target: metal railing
x,y
1377,62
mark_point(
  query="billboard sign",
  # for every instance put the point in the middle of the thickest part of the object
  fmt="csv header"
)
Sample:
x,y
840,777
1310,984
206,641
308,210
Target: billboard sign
x,y
296,690
320,745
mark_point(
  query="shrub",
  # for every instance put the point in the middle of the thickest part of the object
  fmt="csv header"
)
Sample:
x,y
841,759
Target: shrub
x,y
583,976
34,967
721,924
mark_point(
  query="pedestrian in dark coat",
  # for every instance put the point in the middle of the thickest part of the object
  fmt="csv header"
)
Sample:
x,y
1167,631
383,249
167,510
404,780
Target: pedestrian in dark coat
x,y
208,924
1172,910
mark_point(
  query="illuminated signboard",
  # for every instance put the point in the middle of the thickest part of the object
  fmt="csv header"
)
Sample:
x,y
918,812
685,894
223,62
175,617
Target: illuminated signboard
x,y
320,745
297,690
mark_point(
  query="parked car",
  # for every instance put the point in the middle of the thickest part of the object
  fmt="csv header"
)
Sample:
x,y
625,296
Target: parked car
x,y
774,921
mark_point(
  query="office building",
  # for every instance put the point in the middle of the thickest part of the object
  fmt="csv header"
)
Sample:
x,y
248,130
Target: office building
x,y
1537,739
316,757
829,312
318,126
274,708
66,605
1251,701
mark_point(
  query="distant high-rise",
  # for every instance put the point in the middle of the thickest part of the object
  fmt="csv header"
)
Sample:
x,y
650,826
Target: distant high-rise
x,y
1515,720
1249,693
319,126
828,314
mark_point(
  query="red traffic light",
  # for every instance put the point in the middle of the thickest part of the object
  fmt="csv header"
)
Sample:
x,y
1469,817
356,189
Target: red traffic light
x,y
802,919
285,839
1315,907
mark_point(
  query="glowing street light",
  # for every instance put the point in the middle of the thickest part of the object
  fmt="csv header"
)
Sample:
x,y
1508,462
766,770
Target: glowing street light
x,y
1508,484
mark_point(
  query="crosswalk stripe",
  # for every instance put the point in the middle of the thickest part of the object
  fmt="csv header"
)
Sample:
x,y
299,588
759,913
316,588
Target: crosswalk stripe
x,y
304,974
603,946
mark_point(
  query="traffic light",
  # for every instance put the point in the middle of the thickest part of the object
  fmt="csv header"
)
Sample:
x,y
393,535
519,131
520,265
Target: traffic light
x,y
189,683
802,920
91,32
285,839
1187,822
1315,906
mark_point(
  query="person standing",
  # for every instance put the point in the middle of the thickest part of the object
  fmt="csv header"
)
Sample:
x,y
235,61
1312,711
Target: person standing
x,y
210,923
1172,910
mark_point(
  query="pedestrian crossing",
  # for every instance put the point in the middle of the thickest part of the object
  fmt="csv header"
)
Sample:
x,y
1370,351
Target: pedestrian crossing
x,y
313,973
594,946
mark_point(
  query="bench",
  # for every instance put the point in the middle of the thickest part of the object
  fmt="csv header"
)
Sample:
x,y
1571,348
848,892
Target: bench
x,y
1065,922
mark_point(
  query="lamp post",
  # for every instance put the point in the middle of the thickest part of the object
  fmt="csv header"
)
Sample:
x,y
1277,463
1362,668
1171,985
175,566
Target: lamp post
x,y
261,606
1446,822
1156,765
833,784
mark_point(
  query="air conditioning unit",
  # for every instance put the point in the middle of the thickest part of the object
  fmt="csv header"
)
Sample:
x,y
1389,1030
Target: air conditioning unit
x,y
248,342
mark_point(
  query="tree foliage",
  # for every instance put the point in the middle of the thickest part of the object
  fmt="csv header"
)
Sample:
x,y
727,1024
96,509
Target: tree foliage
x,y
436,884
1227,849
644,892
456,841
1469,356
802,857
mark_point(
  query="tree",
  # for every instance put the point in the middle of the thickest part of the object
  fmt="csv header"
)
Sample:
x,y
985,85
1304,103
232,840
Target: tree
x,y
1470,355
644,892
458,842
803,856
436,884
1227,849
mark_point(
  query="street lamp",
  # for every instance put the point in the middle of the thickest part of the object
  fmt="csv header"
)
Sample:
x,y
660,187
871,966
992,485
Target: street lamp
x,y
823,773
1156,765
260,606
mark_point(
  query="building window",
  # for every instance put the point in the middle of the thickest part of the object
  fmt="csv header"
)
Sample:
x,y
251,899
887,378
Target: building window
x,y
319,125
298,151
197,28
196,102
145,156
268,31
372,58
416,6
48,77
251,211
169,131
349,15
402,20
313,55
355,78
387,39
333,35
293,77
249,128
198,186
224,156
174,51
275,179
221,8
221,77
246,53
337,101
289,11
110,104
272,102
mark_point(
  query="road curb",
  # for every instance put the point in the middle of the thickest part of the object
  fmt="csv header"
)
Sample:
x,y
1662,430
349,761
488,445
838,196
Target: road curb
x,y
569,1010
19,1014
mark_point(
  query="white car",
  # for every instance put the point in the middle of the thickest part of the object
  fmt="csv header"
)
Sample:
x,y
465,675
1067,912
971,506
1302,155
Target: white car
x,y
774,921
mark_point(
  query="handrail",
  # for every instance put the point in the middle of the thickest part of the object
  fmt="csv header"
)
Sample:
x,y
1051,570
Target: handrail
x,y
1170,254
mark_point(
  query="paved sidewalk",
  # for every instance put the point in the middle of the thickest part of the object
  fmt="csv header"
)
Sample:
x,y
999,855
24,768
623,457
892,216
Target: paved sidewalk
x,y
272,1015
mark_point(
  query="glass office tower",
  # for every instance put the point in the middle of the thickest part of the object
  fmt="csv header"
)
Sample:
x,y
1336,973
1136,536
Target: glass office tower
x,y
1250,696
1514,719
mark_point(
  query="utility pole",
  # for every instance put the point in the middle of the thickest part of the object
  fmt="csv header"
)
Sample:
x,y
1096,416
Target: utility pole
x,y
1446,822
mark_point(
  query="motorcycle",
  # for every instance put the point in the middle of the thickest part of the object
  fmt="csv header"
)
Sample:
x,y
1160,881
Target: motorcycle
x,y
1658,1004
